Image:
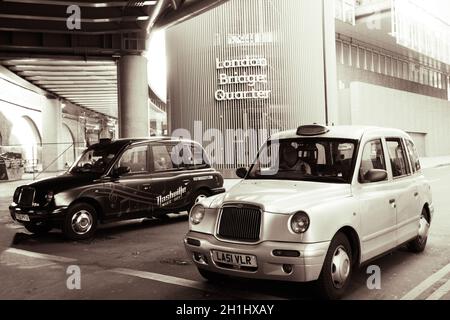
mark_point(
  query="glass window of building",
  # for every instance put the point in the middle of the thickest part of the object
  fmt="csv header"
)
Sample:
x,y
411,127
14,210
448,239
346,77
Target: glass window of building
x,y
376,62
354,57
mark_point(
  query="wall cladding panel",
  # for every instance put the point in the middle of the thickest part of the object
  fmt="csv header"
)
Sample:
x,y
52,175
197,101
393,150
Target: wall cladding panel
x,y
292,45
379,106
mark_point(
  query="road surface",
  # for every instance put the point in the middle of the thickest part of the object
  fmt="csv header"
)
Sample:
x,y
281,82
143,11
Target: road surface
x,y
146,260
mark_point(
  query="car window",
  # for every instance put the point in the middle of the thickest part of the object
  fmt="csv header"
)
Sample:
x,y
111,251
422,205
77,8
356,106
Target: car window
x,y
397,157
372,158
413,156
136,159
189,156
306,159
162,159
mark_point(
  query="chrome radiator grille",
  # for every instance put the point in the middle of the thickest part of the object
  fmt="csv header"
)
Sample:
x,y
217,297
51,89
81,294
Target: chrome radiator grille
x,y
240,224
26,196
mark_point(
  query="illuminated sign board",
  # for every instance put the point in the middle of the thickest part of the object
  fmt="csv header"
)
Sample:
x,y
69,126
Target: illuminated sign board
x,y
231,72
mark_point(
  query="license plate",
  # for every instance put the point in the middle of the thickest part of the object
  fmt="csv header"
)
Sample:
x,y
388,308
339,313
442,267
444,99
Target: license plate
x,y
22,217
235,259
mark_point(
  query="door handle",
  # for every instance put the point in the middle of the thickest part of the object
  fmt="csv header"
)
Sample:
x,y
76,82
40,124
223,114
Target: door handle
x,y
146,187
186,181
416,194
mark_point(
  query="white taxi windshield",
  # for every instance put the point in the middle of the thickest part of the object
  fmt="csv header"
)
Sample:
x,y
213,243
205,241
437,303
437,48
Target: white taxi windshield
x,y
306,159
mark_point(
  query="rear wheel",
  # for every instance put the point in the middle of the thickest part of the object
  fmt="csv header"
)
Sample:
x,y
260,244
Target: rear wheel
x,y
38,227
80,222
419,243
337,269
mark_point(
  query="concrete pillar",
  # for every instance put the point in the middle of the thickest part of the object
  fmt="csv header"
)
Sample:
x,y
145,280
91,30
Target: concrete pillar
x,y
52,148
133,97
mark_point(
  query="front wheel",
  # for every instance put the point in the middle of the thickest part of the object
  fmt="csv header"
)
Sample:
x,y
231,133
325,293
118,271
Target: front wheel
x,y
38,227
337,269
80,222
199,195
418,244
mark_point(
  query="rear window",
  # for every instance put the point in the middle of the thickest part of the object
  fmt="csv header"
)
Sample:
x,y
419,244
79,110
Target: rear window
x,y
413,156
181,156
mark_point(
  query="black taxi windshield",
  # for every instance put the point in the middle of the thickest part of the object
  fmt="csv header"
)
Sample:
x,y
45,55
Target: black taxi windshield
x,y
306,159
96,159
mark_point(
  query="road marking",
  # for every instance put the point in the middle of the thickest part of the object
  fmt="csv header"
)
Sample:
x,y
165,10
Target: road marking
x,y
187,283
427,283
203,286
442,291
40,255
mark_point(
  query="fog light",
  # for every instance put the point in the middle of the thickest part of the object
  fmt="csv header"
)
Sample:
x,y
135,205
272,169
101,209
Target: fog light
x,y
286,253
287,268
200,258
193,242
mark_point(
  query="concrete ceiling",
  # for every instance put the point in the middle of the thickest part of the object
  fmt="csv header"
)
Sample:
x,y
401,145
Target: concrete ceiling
x,y
91,84
80,65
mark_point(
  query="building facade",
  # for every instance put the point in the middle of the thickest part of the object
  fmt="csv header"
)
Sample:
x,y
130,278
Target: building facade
x,y
263,66
247,69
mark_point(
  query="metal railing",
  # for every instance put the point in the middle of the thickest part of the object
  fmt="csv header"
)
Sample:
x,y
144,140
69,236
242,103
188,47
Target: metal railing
x,y
19,159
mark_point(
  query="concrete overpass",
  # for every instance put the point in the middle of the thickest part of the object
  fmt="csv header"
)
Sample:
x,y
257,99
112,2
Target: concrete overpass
x,y
89,52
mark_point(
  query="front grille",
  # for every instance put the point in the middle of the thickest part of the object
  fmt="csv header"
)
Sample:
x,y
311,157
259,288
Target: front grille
x,y
26,197
240,224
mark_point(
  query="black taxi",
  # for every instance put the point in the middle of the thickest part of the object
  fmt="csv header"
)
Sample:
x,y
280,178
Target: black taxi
x,y
118,180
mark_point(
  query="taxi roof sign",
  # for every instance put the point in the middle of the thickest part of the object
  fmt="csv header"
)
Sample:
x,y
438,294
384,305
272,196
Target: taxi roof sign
x,y
312,130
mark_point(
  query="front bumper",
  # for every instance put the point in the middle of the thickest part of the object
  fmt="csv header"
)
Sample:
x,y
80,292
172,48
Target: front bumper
x,y
305,268
52,214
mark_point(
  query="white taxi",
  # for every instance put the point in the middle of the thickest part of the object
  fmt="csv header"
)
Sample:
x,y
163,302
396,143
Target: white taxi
x,y
317,203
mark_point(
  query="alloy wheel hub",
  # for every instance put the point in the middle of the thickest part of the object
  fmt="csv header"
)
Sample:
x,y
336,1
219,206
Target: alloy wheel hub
x,y
82,222
340,267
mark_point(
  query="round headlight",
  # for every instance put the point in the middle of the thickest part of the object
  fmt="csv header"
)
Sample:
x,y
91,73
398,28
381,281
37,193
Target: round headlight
x,y
300,222
197,214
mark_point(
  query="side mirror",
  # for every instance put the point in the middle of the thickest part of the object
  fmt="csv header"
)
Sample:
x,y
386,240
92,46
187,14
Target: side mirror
x,y
241,172
375,175
120,171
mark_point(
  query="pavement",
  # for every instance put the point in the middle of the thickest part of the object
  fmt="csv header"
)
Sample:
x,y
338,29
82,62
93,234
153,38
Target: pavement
x,y
145,259
434,162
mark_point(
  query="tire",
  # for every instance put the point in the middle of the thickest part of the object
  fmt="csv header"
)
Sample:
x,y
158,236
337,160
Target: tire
x,y
211,276
418,244
198,196
38,228
80,222
332,284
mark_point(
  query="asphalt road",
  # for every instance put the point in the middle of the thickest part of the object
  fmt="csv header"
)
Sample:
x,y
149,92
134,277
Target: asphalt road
x,y
146,260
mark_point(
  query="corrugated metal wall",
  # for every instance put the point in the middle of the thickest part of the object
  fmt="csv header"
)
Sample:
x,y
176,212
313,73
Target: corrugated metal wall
x,y
367,104
288,33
